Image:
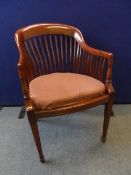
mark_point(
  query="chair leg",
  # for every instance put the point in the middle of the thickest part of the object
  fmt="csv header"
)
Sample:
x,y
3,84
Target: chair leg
x,y
112,113
35,132
107,114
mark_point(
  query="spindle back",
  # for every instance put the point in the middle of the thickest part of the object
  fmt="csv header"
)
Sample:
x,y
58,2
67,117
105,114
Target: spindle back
x,y
49,48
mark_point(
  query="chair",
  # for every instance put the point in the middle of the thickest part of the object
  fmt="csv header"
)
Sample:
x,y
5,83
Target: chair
x,y
61,74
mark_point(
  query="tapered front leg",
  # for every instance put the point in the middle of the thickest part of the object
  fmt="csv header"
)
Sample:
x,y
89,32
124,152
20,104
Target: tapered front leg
x,y
108,112
107,115
35,132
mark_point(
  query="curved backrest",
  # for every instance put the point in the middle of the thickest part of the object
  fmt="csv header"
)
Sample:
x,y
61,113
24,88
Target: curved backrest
x,y
50,28
51,48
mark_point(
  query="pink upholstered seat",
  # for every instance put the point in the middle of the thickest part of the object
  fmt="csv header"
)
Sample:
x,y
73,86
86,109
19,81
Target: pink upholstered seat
x,y
60,89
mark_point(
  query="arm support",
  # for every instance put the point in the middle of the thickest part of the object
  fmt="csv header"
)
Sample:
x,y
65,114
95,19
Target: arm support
x,y
98,63
25,74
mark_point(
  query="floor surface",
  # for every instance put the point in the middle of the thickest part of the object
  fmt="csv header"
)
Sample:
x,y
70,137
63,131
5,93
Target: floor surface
x,y
71,144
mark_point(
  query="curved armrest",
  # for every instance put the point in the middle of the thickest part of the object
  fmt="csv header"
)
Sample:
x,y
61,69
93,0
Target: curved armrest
x,y
24,66
94,51
99,63
25,77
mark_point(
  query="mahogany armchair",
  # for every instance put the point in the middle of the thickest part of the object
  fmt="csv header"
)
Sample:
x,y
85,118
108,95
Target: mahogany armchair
x,y
61,74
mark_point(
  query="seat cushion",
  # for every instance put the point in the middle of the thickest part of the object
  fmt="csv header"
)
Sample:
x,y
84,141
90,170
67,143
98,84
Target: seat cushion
x,y
60,89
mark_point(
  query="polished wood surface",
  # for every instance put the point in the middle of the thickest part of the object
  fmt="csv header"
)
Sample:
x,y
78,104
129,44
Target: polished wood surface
x,y
48,48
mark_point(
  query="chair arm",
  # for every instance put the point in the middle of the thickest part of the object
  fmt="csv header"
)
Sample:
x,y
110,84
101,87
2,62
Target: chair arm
x,y
93,51
98,63
25,76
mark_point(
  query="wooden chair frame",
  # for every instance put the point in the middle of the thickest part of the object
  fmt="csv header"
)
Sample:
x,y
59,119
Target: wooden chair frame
x,y
24,68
